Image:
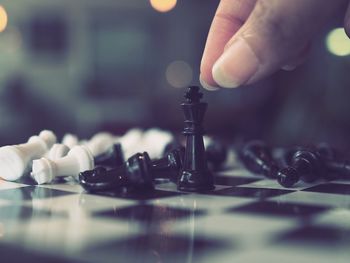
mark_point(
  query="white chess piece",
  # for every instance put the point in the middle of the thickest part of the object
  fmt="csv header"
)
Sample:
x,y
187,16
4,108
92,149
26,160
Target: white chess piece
x,y
100,143
78,159
57,151
154,142
70,140
14,159
131,142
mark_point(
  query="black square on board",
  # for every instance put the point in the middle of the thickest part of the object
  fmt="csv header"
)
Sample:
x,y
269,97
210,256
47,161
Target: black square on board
x,y
156,247
274,208
316,235
233,180
260,193
150,214
330,188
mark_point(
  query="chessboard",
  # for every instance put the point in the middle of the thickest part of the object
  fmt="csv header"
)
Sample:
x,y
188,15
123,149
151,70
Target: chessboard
x,y
246,218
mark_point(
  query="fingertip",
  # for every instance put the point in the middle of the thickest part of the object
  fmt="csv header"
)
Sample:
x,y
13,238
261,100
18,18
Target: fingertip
x,y
236,66
223,79
229,18
206,86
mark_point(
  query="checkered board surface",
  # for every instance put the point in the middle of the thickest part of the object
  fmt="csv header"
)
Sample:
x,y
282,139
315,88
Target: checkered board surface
x,y
245,219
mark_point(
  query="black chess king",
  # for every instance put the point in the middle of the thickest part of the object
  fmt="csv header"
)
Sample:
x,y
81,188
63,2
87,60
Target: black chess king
x,y
195,175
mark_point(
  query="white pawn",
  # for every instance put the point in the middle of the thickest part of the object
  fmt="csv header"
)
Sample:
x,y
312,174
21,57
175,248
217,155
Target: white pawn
x,y
57,151
70,140
100,143
14,159
131,142
78,159
154,142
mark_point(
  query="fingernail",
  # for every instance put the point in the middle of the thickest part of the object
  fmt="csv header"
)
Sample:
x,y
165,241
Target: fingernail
x,y
206,85
236,65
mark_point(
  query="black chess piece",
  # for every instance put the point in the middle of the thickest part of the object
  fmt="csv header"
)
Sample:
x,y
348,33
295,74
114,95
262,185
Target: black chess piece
x,y
113,157
334,162
169,166
327,152
257,158
286,157
137,172
195,175
306,165
339,169
216,154
173,145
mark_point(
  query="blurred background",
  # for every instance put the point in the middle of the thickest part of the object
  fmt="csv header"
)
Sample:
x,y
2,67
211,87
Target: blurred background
x,y
84,66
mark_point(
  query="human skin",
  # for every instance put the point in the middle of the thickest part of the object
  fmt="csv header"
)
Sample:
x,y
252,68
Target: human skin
x,y
250,39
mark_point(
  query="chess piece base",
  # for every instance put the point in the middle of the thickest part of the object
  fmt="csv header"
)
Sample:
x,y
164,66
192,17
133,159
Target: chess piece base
x,y
194,181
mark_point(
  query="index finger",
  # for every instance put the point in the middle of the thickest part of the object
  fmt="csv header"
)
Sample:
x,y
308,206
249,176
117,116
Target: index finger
x,y
229,17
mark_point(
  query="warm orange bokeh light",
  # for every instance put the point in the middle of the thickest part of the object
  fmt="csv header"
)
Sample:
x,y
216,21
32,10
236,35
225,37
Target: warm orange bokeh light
x,y
163,5
3,18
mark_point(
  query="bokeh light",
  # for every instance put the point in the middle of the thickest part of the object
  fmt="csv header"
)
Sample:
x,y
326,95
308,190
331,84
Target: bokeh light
x,y
338,43
179,74
3,18
163,5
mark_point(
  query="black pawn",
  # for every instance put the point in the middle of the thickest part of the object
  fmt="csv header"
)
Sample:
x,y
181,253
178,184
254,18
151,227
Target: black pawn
x,y
288,176
327,152
305,165
195,175
334,162
337,169
112,157
257,158
137,172
287,155
169,166
173,145
216,154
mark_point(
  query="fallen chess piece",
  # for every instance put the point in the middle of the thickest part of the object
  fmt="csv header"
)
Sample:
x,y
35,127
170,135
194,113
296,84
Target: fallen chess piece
x,y
257,158
137,172
15,159
338,169
306,165
130,142
57,151
100,143
70,140
285,155
173,145
334,162
78,159
309,165
113,157
216,153
155,141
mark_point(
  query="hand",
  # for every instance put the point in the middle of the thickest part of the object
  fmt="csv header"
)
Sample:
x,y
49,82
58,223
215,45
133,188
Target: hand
x,y
251,39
